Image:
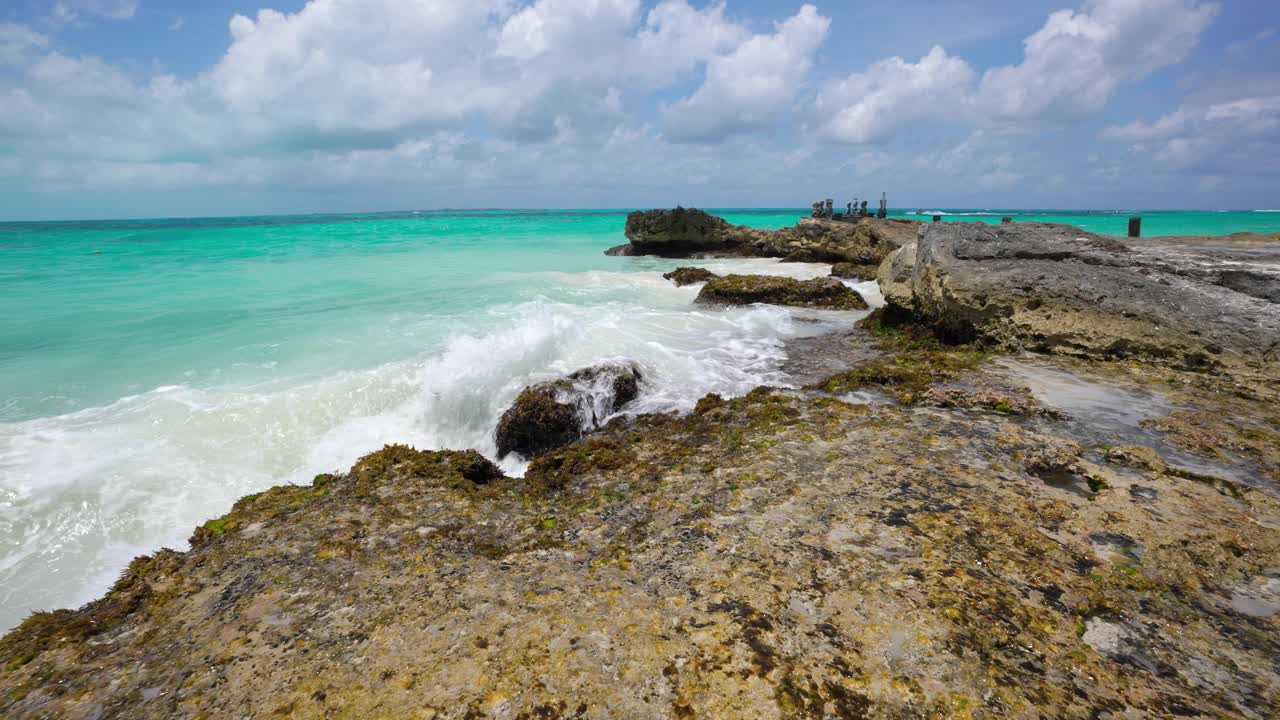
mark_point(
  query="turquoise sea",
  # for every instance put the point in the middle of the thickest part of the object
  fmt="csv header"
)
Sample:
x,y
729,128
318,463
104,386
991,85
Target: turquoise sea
x,y
152,371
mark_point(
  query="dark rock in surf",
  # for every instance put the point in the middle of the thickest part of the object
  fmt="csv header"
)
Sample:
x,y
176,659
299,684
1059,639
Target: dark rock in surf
x,y
555,413
689,275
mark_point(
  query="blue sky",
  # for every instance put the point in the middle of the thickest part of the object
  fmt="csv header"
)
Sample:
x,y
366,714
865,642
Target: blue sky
x,y
144,108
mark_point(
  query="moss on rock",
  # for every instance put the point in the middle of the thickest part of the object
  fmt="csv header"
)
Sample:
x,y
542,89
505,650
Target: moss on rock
x,y
827,293
781,554
855,271
689,275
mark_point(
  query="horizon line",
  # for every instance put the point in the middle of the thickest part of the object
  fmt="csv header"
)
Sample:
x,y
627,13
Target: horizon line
x,y
761,208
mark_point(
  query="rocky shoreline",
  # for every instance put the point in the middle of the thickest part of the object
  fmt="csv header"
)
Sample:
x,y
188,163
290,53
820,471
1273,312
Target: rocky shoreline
x,y
1043,481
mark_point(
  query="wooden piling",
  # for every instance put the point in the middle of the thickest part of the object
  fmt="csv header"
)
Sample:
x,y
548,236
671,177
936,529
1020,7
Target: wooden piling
x,y
1135,227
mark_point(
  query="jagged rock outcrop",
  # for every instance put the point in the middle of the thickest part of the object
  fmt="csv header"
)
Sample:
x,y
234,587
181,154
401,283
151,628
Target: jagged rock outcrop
x,y
828,293
689,275
681,232
1197,303
555,413
687,232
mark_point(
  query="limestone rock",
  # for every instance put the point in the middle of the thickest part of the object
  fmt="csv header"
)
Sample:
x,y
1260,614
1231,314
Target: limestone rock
x,y
555,413
828,293
689,275
676,233
894,277
1195,303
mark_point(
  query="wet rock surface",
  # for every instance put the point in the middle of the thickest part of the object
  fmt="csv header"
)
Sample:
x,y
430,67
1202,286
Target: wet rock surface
x,y
1192,303
689,275
555,413
828,293
811,360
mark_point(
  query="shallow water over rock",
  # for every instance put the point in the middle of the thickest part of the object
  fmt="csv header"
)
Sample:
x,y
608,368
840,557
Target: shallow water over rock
x,y
1260,598
1103,413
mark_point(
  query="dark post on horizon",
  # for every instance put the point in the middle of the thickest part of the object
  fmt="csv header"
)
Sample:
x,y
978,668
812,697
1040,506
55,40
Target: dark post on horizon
x,y
1135,227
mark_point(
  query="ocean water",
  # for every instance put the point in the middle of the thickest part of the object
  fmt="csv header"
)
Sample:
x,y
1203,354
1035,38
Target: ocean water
x,y
1116,222
153,371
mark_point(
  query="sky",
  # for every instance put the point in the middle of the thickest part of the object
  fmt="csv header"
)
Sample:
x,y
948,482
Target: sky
x,y
165,108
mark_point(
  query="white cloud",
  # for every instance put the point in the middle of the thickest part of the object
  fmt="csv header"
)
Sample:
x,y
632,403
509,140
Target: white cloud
x,y
534,93
1163,129
754,84
1071,67
70,11
342,68
18,42
1073,64
554,25
357,81
870,105
1238,137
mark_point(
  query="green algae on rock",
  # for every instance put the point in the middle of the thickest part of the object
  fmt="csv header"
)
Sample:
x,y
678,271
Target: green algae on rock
x,y
682,276
827,293
778,555
855,271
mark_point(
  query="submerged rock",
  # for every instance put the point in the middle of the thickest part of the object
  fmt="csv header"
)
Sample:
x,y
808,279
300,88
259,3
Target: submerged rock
x,y
555,413
689,275
1057,288
827,293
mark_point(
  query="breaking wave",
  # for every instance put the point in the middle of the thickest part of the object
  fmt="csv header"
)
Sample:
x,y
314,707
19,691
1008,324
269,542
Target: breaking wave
x,y
86,491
